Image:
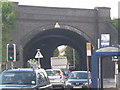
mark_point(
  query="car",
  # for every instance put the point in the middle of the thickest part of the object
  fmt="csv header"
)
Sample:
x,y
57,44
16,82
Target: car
x,y
57,78
24,79
66,72
77,80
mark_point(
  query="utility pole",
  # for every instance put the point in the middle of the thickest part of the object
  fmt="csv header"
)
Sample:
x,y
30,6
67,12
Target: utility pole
x,y
116,73
116,59
99,76
74,58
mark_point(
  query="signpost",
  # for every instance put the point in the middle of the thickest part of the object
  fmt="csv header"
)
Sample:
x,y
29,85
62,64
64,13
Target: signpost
x,y
38,55
116,59
88,47
116,72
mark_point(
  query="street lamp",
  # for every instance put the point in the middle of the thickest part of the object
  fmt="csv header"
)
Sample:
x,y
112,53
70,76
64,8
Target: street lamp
x,y
74,58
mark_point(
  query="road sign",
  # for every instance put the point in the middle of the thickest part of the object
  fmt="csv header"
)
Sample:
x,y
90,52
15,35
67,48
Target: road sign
x,y
38,54
88,47
57,25
105,40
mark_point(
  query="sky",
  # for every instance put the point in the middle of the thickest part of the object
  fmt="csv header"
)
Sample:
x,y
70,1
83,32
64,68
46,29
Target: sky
x,y
84,4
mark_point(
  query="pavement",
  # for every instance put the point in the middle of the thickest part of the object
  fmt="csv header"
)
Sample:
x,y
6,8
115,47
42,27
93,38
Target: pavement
x,y
109,83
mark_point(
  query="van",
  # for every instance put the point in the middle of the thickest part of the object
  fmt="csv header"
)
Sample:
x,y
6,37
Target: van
x,y
24,79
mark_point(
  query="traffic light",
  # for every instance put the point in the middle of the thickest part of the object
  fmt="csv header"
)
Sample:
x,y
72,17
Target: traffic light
x,y
11,52
115,58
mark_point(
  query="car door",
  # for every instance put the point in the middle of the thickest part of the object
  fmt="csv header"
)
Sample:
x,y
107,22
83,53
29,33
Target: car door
x,y
43,81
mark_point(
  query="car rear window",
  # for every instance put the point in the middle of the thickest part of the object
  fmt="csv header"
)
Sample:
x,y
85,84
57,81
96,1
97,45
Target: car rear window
x,y
53,73
78,75
28,77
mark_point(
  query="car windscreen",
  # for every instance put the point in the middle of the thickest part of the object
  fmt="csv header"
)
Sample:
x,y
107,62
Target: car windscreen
x,y
66,72
28,77
53,73
78,75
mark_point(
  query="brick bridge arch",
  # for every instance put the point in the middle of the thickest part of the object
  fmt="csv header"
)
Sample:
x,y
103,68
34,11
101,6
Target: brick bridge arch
x,y
87,24
39,35
41,29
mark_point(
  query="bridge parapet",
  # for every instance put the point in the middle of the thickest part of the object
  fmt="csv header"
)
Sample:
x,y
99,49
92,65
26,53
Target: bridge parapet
x,y
78,14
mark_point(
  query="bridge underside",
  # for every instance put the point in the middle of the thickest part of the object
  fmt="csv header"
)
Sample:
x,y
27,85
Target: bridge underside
x,y
47,41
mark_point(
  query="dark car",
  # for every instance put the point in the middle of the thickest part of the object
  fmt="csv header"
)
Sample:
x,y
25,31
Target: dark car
x,y
24,79
77,80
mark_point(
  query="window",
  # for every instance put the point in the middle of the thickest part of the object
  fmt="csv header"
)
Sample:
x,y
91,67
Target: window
x,y
18,78
78,75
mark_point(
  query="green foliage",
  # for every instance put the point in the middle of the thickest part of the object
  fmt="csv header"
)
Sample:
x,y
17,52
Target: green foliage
x,y
116,23
56,53
77,60
8,23
69,55
8,15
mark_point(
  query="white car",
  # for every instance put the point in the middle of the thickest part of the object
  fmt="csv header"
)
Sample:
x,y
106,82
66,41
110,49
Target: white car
x,y
56,77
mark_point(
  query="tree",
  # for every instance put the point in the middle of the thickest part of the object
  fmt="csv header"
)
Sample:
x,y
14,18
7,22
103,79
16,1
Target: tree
x,y
69,55
8,23
116,23
56,53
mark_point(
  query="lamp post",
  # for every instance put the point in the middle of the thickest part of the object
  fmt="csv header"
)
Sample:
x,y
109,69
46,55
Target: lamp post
x,y
74,58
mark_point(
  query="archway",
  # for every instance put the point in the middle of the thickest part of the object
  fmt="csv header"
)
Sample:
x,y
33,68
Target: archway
x,y
49,39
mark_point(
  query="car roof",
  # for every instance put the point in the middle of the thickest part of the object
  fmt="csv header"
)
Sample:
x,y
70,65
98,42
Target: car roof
x,y
80,71
23,70
52,69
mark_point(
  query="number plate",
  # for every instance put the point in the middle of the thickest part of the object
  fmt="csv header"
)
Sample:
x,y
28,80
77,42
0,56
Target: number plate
x,y
51,79
77,87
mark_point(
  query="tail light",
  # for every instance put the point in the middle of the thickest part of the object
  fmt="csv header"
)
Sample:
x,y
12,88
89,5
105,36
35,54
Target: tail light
x,y
68,75
60,75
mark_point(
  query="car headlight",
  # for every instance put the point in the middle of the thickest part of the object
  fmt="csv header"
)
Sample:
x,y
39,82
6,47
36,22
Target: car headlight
x,y
68,83
85,83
